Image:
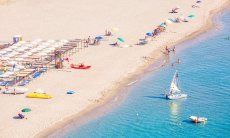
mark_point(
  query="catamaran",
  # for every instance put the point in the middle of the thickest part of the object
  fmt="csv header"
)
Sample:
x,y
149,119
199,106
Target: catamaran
x,y
175,92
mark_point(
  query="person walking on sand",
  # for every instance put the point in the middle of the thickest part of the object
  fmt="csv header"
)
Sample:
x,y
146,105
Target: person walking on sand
x,y
167,50
88,40
174,49
14,91
106,32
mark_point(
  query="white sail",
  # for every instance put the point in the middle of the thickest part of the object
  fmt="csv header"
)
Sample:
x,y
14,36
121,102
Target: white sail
x,y
174,84
175,92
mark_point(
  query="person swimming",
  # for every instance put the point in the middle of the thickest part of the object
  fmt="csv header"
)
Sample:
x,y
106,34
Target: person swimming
x,y
178,62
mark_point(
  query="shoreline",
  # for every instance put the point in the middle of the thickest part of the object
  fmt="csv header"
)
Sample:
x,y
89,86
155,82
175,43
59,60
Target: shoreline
x,y
119,86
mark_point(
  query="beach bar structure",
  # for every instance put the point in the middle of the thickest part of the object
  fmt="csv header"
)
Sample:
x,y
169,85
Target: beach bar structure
x,y
24,60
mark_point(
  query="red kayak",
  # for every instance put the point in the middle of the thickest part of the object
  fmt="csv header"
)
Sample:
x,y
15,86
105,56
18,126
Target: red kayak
x,y
80,66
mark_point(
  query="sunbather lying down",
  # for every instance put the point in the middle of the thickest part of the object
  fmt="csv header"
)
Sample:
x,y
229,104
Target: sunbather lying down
x,y
115,44
174,10
195,6
21,116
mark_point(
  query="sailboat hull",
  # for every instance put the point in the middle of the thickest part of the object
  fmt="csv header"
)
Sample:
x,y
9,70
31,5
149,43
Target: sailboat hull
x,y
176,96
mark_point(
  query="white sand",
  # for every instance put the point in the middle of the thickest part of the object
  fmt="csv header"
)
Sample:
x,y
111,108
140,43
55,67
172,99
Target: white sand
x,y
62,19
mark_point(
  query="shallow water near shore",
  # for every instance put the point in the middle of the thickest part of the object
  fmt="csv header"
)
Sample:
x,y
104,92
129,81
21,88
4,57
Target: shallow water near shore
x,y
204,75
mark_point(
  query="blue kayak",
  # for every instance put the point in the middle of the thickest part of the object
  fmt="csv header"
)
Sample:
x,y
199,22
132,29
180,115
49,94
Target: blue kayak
x,y
70,92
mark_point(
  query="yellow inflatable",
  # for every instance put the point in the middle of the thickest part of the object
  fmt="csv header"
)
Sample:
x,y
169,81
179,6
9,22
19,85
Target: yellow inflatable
x,y
39,95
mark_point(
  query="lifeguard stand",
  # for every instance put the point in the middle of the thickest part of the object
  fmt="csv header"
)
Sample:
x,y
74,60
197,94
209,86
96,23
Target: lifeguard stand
x,y
58,60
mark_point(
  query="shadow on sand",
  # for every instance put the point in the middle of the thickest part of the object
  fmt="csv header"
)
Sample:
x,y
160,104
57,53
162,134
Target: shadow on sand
x,y
16,117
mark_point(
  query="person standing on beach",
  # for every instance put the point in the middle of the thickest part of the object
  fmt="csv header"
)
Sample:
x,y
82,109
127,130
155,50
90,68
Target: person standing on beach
x,y
167,50
178,61
89,40
106,32
174,49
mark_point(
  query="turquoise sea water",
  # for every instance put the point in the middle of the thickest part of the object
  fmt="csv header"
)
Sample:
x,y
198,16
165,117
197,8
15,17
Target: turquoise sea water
x,y
204,75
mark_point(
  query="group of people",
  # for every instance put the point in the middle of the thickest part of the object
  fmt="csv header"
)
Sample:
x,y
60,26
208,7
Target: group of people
x,y
92,42
108,33
168,50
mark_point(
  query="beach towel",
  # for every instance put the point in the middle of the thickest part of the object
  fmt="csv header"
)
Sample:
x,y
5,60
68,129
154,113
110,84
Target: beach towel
x,y
37,74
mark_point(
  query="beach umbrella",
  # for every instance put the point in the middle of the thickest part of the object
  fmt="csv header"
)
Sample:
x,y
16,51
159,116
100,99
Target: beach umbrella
x,y
46,43
120,39
33,50
38,40
8,50
29,53
21,42
163,25
70,92
42,46
10,55
5,75
24,56
47,51
20,66
34,42
14,47
26,110
51,41
29,45
99,37
14,53
19,59
168,22
149,34
191,16
9,73
64,41
12,62
20,49
4,58
56,46
51,48
172,20
42,54
3,52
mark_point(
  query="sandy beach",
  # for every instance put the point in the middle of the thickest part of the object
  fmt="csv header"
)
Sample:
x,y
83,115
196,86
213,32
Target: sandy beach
x,y
112,67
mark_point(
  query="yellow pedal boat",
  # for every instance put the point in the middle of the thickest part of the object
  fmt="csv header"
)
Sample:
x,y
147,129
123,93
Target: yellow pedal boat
x,y
39,95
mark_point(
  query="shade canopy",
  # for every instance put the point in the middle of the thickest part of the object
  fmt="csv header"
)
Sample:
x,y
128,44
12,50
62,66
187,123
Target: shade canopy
x,y
99,37
121,39
149,34
70,92
168,22
26,110
191,16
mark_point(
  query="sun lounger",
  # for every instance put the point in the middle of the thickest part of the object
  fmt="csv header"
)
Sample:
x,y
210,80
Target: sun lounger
x,y
4,83
24,82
